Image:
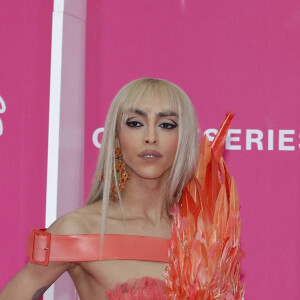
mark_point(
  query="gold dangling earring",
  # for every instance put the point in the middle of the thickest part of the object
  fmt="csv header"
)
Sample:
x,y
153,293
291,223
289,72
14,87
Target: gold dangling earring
x,y
122,176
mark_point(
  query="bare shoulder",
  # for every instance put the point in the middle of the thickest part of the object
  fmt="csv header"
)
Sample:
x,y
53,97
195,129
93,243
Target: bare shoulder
x,y
85,220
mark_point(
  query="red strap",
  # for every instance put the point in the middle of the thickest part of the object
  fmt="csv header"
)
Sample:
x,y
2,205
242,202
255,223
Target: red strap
x,y
44,247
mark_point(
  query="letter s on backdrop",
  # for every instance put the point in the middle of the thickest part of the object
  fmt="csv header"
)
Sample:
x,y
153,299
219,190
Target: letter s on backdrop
x,y
2,110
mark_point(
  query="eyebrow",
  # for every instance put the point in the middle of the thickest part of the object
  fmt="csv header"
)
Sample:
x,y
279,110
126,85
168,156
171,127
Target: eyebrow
x,y
160,114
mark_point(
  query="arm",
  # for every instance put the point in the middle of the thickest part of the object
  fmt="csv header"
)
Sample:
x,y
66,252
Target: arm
x,y
33,280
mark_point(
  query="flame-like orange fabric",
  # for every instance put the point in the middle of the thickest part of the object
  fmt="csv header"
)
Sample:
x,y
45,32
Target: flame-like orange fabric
x,y
205,254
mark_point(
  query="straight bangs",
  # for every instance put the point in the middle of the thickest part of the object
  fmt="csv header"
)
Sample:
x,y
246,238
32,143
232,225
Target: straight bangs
x,y
144,91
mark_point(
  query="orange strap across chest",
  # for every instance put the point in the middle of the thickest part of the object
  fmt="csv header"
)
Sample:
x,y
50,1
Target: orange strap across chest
x,y
44,247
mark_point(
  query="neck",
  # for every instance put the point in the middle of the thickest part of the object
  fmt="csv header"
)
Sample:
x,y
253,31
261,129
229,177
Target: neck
x,y
146,198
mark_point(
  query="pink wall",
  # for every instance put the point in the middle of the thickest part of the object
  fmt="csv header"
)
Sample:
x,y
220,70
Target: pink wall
x,y
228,55
25,40
241,56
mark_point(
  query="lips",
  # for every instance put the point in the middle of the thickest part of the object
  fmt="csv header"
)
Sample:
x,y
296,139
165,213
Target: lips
x,y
150,155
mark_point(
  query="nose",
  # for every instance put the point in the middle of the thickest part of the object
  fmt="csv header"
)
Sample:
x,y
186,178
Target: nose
x,y
150,137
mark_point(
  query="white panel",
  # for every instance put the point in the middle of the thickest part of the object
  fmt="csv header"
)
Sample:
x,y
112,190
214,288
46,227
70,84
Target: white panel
x,y
54,118
66,121
71,139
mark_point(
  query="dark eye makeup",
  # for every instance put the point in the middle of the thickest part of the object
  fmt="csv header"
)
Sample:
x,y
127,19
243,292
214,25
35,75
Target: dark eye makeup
x,y
165,125
133,123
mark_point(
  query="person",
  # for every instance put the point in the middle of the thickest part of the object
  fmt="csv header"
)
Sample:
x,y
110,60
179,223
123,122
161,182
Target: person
x,y
154,124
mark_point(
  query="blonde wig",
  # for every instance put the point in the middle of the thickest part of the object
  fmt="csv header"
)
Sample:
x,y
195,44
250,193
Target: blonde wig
x,y
127,100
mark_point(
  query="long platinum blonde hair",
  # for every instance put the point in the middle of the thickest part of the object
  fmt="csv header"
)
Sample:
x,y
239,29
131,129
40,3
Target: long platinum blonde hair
x,y
126,101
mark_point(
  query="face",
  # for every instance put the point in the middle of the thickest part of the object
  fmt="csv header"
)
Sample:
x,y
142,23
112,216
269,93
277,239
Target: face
x,y
148,139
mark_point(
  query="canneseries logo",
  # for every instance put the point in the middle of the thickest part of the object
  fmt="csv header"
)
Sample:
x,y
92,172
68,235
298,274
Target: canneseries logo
x,y
2,111
244,139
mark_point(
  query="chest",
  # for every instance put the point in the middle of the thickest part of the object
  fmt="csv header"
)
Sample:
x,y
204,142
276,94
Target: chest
x,y
109,273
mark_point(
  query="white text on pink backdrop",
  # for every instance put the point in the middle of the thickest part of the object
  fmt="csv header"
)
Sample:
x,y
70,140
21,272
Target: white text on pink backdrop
x,y
257,139
2,110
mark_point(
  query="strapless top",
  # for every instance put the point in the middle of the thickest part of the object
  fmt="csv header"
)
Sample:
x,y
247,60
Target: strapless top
x,y
145,288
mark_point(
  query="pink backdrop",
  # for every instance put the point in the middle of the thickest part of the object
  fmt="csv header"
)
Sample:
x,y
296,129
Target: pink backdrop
x,y
25,41
239,56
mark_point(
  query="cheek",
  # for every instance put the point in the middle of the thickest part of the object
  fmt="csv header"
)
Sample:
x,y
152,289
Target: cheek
x,y
170,146
127,142
124,144
172,143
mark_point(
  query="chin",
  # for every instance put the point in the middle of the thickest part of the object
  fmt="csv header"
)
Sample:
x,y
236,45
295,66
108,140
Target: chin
x,y
153,174
150,177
